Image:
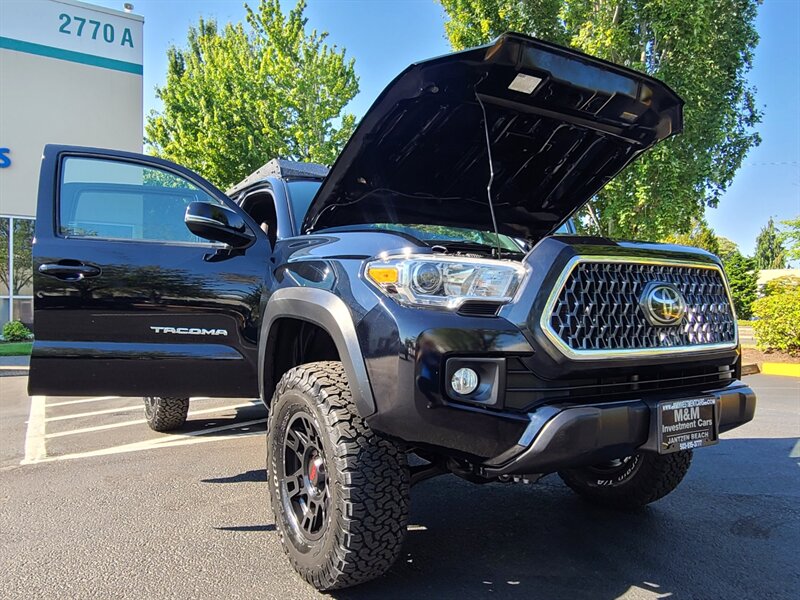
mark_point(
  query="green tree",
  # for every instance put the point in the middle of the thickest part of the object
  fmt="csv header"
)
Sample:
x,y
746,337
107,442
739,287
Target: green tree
x,y
23,264
790,236
781,285
700,235
238,96
703,50
770,253
727,248
743,282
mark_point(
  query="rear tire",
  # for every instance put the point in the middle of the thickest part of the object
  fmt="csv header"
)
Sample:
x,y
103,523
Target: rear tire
x,y
165,414
339,493
629,483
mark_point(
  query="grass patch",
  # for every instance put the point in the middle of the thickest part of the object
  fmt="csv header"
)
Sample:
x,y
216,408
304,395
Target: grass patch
x,y
15,348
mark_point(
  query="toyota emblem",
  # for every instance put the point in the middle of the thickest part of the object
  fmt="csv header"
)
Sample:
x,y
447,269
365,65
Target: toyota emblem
x,y
663,304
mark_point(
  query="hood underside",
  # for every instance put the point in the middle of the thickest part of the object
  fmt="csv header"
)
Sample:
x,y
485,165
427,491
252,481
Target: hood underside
x,y
560,126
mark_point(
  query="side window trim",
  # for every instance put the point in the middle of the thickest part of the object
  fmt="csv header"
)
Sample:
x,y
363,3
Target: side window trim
x,y
295,227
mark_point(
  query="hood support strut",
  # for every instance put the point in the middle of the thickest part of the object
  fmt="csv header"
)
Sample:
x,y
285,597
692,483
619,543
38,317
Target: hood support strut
x,y
491,171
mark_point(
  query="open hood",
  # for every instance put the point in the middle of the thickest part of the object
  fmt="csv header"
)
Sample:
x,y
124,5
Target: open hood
x,y
560,125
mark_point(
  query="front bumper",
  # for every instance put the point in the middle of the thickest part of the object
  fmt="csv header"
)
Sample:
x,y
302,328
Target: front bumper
x,y
598,407
571,436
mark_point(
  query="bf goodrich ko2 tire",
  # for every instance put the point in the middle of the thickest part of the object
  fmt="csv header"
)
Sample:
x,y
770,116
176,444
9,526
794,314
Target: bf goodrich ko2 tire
x,y
632,482
165,414
339,492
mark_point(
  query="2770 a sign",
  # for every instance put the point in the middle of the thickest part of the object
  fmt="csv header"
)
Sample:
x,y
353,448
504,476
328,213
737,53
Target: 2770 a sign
x,y
82,27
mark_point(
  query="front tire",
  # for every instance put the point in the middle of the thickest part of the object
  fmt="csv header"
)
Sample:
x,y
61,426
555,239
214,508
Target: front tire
x,y
339,492
629,483
165,414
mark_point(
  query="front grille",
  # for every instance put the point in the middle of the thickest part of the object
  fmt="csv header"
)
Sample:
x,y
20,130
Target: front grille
x,y
597,309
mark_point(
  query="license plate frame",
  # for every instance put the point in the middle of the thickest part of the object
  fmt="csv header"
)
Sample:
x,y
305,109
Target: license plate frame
x,y
687,424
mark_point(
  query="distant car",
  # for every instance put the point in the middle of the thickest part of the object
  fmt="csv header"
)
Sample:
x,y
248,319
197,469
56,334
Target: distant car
x,y
413,300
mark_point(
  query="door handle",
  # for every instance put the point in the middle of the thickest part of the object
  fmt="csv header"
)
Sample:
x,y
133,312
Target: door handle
x,y
71,271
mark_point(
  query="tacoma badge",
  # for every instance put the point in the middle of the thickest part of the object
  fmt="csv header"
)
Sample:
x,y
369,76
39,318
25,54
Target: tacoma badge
x,y
189,330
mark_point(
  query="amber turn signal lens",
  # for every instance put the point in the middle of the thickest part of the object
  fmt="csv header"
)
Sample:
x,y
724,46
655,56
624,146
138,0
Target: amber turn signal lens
x,y
382,274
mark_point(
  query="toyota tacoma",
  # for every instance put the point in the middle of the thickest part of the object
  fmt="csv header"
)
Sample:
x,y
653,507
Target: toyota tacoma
x,y
427,297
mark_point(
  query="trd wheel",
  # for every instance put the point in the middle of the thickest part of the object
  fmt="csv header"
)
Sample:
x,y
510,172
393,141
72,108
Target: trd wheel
x,y
303,479
165,414
338,491
631,482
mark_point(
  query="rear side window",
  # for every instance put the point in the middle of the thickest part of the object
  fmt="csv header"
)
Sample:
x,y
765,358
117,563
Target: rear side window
x,y
118,200
301,193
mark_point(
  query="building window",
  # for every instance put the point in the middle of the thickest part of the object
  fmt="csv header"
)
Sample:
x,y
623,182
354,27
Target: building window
x,y
16,270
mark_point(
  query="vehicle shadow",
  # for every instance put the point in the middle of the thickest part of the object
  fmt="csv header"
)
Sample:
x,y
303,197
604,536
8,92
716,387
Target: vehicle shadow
x,y
267,527
237,421
730,530
254,475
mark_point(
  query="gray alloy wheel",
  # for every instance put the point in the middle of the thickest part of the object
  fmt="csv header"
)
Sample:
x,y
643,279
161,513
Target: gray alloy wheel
x,y
630,482
339,492
165,414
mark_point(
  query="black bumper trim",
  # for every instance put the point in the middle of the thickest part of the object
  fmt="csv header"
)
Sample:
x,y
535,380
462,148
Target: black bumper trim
x,y
572,436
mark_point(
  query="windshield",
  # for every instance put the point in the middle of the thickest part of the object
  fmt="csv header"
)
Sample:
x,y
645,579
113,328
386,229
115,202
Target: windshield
x,y
301,192
568,228
442,233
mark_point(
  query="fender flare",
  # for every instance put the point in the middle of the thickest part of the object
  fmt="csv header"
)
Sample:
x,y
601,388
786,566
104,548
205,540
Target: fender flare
x,y
328,311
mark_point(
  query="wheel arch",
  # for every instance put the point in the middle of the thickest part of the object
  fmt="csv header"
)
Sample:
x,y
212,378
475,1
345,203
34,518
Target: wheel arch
x,y
326,311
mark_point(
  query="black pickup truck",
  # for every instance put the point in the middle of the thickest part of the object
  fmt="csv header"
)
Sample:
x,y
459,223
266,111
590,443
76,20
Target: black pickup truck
x,y
425,297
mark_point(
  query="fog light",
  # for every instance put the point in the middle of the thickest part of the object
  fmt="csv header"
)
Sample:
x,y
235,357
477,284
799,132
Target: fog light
x,y
464,381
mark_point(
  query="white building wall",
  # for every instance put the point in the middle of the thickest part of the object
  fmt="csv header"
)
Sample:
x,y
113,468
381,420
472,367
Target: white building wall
x,y
70,73
59,87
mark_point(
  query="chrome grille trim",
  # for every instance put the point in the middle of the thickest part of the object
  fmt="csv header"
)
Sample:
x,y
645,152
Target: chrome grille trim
x,y
600,354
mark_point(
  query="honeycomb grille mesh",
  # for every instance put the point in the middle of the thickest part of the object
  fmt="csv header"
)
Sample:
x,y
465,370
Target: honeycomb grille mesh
x,y
598,307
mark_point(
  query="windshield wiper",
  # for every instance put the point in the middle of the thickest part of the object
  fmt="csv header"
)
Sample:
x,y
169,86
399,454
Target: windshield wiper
x,y
471,245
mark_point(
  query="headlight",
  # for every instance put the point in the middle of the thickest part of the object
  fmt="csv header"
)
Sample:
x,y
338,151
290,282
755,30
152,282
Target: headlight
x,y
446,281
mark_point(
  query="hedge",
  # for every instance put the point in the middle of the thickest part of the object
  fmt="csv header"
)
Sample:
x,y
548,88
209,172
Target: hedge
x,y
778,321
14,331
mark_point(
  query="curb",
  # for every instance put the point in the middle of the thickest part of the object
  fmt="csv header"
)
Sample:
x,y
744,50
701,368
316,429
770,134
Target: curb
x,y
17,373
784,369
750,370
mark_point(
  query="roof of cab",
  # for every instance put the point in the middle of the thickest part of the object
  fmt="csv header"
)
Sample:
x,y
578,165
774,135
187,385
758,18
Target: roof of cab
x,y
283,169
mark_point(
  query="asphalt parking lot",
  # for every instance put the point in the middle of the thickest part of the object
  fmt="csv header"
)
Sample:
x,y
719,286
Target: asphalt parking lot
x,y
103,507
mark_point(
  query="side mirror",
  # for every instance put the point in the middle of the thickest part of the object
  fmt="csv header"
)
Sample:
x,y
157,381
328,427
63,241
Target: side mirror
x,y
218,224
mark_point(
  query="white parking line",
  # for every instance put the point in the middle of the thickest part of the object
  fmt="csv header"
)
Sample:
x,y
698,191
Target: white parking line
x,y
193,413
165,442
83,400
106,411
35,446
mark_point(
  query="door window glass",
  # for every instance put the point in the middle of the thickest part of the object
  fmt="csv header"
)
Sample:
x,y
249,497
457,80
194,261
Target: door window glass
x,y
126,201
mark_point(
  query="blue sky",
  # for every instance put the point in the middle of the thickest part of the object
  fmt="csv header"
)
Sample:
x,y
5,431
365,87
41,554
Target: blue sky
x,y
384,36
